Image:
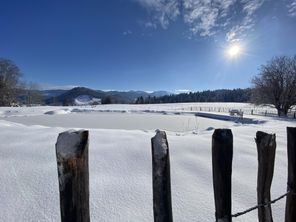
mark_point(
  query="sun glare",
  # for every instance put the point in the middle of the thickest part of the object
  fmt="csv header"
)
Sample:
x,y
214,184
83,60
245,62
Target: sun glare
x,y
234,51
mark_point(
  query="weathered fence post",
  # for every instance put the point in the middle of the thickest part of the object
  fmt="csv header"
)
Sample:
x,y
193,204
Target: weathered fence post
x,y
72,161
162,203
222,152
291,197
266,146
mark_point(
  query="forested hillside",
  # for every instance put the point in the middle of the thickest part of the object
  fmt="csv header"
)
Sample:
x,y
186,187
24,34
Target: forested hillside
x,y
221,95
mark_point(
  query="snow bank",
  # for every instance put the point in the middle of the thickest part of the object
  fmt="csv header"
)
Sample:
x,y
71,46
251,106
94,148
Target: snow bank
x,y
58,112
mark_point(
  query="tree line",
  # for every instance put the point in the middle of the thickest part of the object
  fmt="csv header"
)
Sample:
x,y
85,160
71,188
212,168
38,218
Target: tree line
x,y
275,85
221,95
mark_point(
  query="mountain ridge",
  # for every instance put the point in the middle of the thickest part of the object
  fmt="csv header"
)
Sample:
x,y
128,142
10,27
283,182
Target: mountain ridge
x,y
67,97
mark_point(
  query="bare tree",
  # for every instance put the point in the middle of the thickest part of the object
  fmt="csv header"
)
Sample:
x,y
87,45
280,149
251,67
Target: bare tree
x,y
9,77
33,95
276,84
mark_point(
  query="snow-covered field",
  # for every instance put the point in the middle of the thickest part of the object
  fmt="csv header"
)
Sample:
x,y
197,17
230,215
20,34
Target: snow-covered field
x,y
120,160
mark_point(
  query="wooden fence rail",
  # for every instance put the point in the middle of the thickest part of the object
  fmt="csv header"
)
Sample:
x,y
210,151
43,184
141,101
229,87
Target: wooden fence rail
x,y
73,175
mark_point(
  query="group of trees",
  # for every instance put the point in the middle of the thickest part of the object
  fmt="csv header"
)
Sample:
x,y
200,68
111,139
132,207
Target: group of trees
x,y
222,95
9,79
13,90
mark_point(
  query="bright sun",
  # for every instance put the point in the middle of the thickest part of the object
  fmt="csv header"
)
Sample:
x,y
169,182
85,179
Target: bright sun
x,y
234,51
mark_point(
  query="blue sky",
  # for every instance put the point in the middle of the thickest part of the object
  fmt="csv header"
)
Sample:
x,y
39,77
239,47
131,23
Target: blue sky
x,y
145,44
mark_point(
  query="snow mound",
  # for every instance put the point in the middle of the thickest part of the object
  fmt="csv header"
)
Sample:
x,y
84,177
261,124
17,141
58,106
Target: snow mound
x,y
86,100
56,112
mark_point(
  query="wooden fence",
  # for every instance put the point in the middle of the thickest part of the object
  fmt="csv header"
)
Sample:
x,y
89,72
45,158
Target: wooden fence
x,y
73,175
250,110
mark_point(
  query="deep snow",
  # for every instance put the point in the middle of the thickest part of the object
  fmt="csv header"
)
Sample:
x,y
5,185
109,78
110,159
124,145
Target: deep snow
x,y
120,166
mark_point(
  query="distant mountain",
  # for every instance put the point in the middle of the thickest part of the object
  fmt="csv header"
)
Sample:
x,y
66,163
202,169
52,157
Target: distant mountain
x,y
67,97
160,93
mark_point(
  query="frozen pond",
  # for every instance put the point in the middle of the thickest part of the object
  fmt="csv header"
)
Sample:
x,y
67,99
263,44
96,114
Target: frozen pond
x,y
130,121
